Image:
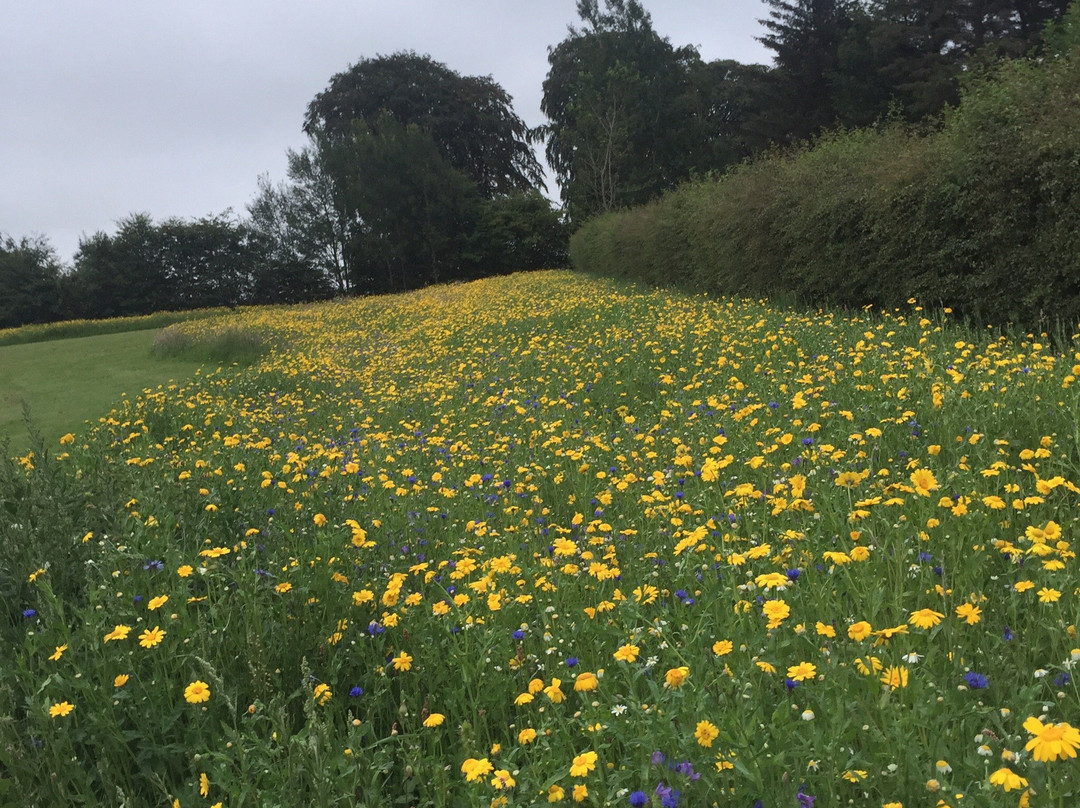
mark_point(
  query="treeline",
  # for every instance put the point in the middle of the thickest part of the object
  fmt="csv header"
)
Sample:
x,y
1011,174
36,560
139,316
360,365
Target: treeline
x,y
414,174
632,116
982,215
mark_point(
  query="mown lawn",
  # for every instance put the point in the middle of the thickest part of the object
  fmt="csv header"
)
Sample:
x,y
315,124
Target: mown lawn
x,y
69,381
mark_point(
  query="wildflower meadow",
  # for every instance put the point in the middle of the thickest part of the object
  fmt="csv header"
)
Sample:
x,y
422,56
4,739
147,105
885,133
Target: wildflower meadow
x,y
546,539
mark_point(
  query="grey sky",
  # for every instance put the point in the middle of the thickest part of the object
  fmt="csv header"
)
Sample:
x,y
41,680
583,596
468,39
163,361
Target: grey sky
x,y
175,108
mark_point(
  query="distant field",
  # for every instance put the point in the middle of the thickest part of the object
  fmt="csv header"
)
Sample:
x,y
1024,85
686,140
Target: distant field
x,y
68,381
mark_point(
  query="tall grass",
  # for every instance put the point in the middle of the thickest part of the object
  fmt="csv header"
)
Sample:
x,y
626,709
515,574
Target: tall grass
x,y
543,539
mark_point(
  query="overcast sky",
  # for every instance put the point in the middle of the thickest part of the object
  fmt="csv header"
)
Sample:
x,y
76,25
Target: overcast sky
x,y
174,108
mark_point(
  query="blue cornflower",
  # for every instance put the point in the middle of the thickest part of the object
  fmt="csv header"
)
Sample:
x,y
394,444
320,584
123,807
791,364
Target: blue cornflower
x,y
519,634
356,692
976,681
28,613
1007,634
638,799
571,661
154,564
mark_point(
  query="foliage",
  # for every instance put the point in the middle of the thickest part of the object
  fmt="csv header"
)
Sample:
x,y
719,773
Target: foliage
x,y
470,118
543,534
628,113
305,230
172,265
980,216
29,281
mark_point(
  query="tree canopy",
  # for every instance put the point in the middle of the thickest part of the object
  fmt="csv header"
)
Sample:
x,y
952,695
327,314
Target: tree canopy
x,y
470,118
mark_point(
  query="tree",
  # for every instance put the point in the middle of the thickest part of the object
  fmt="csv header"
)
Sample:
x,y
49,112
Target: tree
x,y
520,232
121,275
177,264
284,274
469,118
800,91
29,281
412,211
305,226
626,119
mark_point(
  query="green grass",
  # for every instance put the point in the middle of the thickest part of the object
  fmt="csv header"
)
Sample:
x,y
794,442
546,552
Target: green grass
x,y
541,538
66,382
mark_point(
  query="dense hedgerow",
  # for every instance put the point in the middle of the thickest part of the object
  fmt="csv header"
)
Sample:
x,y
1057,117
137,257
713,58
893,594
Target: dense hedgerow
x,y
542,540
982,215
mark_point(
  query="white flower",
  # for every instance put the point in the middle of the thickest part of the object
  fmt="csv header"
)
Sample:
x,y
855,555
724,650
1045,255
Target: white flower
x,y
912,658
807,715
618,709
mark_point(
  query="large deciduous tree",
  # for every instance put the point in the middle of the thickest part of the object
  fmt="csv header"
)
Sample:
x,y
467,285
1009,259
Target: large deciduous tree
x,y
406,160
470,119
626,118
30,275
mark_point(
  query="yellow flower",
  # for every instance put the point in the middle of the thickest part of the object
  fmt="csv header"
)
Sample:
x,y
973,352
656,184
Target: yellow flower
x,y
157,603
57,653
434,720
581,792
61,708
555,793
185,570
706,732
859,631
1051,741
553,690
527,736
319,520
627,653
585,682
118,633
676,676
283,587
1048,595
121,680
583,764
1007,779
474,769
197,692
802,671
969,612
503,779
523,699
204,785
925,618
924,482
151,637
722,647
895,676
776,610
